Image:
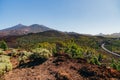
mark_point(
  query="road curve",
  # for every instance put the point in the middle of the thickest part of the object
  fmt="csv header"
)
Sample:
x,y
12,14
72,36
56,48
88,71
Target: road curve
x,y
103,47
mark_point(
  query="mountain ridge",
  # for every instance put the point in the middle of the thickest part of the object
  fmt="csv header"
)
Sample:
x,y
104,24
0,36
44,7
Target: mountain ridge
x,y
21,29
113,35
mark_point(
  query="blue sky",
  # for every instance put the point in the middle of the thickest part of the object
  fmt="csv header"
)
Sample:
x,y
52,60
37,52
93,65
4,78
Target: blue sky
x,y
82,16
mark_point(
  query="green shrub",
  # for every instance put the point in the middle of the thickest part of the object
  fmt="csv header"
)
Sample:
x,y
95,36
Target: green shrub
x,y
2,68
5,64
50,46
1,51
5,59
40,53
8,66
94,60
74,50
118,67
115,64
5,67
100,57
24,56
88,53
3,45
14,53
60,47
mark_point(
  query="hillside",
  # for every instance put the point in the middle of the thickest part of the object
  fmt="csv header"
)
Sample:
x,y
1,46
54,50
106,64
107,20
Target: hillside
x,y
57,55
63,68
46,36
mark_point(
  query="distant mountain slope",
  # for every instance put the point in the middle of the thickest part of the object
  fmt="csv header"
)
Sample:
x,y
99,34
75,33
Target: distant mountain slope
x,y
113,35
23,29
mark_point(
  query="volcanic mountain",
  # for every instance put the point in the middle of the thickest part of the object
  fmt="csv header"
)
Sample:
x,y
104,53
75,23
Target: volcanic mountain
x,y
23,29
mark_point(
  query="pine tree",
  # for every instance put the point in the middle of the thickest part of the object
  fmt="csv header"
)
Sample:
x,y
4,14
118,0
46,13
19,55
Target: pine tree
x,y
3,45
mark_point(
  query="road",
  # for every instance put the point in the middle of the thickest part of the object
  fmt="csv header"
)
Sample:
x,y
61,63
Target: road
x,y
103,47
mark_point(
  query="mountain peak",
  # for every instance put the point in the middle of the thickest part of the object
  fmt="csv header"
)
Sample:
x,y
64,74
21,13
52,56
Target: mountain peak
x,y
19,25
21,29
35,25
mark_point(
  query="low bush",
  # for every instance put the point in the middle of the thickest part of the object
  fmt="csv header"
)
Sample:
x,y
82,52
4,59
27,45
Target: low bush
x,y
14,53
88,54
100,57
24,56
115,64
49,46
40,53
2,51
60,47
3,45
95,60
36,54
74,50
5,64
5,59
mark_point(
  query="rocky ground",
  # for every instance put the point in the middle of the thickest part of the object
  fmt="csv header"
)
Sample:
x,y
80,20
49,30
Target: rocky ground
x,y
62,68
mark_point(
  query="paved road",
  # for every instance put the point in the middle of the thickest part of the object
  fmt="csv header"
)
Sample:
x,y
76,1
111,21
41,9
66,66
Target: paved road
x,y
103,47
